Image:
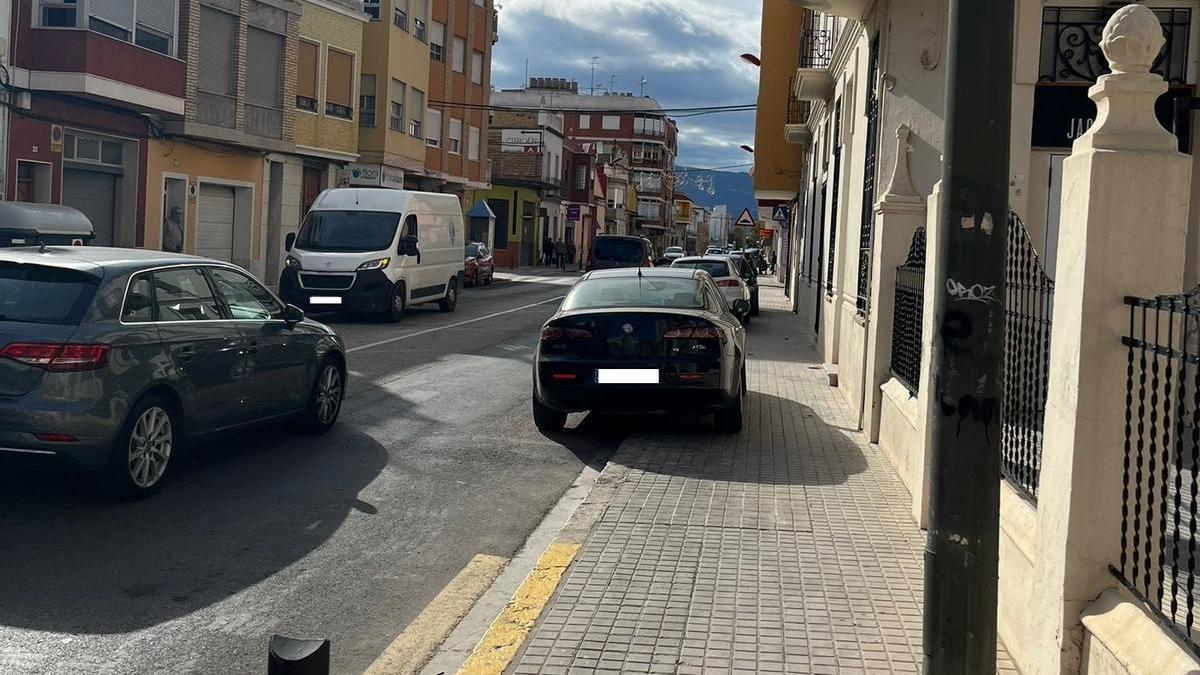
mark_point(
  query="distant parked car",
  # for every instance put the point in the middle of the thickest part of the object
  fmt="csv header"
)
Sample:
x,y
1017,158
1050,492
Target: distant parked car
x,y
111,359
726,274
636,341
715,250
479,267
750,276
611,251
670,255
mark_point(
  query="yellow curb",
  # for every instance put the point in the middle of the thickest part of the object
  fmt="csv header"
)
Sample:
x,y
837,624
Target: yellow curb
x,y
412,648
498,647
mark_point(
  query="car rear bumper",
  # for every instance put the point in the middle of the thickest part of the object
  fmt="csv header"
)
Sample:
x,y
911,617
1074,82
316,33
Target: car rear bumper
x,y
370,293
94,435
673,392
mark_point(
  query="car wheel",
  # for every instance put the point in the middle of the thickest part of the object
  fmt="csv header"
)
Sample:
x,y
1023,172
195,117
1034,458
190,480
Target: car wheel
x,y
395,308
754,304
729,420
144,448
546,419
491,275
325,402
448,303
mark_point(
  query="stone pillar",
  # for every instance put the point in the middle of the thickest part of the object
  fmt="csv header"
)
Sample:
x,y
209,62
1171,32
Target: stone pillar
x,y
1124,228
898,214
929,332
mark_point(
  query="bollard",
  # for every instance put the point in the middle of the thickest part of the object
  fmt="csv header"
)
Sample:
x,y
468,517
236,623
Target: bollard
x,y
292,656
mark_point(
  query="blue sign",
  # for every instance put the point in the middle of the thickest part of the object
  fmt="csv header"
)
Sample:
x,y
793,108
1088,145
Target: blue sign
x,y
573,212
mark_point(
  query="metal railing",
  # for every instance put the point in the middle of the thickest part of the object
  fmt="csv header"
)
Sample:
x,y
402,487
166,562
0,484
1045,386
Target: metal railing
x,y
1161,456
1028,308
907,315
816,48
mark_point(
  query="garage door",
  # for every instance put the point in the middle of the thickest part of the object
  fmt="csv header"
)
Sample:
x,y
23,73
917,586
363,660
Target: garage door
x,y
94,193
214,222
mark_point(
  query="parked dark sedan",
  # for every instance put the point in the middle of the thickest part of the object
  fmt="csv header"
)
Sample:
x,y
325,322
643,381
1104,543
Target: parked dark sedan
x,y
642,340
479,268
749,275
110,359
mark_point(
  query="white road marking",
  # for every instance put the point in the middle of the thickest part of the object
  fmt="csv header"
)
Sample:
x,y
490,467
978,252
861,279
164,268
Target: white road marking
x,y
453,325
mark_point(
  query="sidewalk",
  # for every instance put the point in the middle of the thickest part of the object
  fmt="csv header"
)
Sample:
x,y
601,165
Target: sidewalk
x,y
787,548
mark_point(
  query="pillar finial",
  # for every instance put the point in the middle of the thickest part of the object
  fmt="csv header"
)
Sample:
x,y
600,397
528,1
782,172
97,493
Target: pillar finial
x,y
1132,39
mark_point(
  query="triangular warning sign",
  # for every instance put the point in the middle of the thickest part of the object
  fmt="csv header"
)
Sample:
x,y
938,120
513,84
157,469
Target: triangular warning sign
x,y
745,220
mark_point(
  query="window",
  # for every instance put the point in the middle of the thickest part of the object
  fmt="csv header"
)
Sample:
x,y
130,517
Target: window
x,y
396,107
418,107
307,72
371,7
264,82
418,8
611,122
92,149
339,84
59,14
218,47
152,39
244,296
649,126
139,301
585,121
437,41
460,48
400,15
366,100
477,67
455,141
473,144
184,295
433,131
581,173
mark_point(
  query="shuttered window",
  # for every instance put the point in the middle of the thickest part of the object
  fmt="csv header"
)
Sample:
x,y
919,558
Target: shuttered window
x,y
416,120
157,14
477,67
473,144
218,49
264,79
460,48
455,140
433,127
437,41
366,100
116,14
308,68
396,106
339,84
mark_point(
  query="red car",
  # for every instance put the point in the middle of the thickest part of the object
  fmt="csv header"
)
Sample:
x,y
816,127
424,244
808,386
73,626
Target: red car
x,y
480,269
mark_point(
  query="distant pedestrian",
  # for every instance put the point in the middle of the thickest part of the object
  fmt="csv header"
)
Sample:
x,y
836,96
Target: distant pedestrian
x,y
173,230
547,252
571,253
560,252
773,261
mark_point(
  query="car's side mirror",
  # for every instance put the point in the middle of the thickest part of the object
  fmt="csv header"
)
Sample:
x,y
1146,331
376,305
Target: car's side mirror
x,y
292,315
289,241
741,307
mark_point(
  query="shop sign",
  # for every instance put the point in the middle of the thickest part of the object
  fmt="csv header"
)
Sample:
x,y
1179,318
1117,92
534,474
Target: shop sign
x,y
573,212
528,141
373,175
1063,113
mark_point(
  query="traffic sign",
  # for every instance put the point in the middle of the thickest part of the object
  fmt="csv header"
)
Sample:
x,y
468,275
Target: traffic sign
x,y
780,214
745,220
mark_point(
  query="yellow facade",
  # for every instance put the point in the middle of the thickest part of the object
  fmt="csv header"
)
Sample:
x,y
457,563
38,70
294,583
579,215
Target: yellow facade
x,y
390,53
777,165
337,27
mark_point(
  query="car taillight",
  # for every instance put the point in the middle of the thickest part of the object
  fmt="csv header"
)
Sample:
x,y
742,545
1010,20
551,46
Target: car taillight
x,y
56,357
728,282
556,333
702,333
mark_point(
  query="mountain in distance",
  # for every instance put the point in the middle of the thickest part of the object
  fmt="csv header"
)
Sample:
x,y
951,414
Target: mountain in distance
x,y
711,188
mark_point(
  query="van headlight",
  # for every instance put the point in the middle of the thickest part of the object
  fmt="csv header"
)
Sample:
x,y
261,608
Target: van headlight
x,y
292,263
380,264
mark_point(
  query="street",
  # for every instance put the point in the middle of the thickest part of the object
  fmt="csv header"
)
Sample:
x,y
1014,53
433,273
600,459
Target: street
x,y
347,535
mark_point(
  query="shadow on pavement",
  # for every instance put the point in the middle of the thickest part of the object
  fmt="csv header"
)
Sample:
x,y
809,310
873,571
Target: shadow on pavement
x,y
783,442
230,515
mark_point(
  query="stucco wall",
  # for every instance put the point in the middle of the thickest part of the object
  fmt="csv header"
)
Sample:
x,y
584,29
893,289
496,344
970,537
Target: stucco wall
x,y
1121,639
902,435
1018,543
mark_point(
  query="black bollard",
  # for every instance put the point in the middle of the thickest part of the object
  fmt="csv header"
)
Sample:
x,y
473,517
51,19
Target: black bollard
x,y
292,656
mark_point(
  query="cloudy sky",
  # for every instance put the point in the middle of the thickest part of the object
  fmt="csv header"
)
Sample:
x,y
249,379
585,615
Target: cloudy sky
x,y
686,49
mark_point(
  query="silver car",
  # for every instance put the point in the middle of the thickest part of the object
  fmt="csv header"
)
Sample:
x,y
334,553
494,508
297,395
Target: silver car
x,y
111,359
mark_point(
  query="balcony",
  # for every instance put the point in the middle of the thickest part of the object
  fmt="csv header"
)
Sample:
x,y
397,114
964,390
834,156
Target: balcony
x,y
813,81
850,9
797,134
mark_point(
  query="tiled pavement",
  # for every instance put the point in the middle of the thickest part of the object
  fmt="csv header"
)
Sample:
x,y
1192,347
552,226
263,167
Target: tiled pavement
x,y
787,548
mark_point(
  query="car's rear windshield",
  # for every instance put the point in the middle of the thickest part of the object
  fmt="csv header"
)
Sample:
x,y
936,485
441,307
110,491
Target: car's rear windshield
x,y
674,249
618,250
347,231
472,250
634,291
715,268
40,294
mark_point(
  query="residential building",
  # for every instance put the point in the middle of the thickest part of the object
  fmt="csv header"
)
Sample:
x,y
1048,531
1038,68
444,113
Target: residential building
x,y
683,222
584,199
526,194
719,222
700,225
91,85
620,194
393,96
460,36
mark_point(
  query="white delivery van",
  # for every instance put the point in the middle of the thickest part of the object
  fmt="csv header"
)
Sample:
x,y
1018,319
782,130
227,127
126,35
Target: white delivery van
x,y
376,251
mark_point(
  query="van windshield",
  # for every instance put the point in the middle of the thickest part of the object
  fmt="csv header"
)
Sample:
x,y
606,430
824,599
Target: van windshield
x,y
347,231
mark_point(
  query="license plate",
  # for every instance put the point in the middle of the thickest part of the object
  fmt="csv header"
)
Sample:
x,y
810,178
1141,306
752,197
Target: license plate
x,y
627,376
325,300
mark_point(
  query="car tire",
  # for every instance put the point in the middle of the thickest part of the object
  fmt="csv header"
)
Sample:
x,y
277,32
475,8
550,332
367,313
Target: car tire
x,y
396,304
325,401
754,304
546,419
490,276
448,303
730,420
144,448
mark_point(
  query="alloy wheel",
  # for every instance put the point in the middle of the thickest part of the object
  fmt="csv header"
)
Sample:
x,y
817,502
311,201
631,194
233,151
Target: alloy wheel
x,y
150,447
329,394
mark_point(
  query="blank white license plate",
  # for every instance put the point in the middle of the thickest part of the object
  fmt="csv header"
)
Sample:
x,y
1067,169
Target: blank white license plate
x,y
325,300
627,376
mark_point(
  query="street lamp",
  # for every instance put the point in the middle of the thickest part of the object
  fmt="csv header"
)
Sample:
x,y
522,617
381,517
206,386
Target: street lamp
x,y
751,59
747,149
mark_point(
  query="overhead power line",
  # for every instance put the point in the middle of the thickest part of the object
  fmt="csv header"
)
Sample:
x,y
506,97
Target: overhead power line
x,y
680,112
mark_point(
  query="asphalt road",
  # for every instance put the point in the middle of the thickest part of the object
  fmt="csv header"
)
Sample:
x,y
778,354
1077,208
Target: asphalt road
x,y
346,535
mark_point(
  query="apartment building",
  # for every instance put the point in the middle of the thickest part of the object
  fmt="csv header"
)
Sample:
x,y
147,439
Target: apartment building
x,y
619,192
682,221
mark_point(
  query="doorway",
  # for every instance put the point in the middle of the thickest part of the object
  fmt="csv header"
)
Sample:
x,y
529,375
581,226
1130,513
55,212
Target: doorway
x,y
95,194
174,215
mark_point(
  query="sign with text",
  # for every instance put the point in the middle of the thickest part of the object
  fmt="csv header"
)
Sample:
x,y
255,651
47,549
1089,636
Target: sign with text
x,y
520,140
1063,113
573,212
373,175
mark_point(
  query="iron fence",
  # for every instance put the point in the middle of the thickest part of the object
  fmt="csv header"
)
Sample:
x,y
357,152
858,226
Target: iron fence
x,y
1161,454
1028,308
906,317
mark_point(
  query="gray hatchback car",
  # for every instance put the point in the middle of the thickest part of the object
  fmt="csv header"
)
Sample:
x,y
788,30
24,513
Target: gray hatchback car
x,y
110,359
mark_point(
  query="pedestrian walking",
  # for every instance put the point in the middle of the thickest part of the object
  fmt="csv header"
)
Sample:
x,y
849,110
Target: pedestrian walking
x,y
773,261
571,253
560,252
173,230
547,252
